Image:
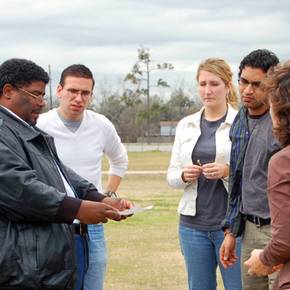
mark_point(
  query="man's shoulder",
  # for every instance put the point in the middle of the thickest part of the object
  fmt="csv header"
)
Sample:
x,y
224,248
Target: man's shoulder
x,y
12,128
94,114
266,120
46,115
98,118
45,118
266,132
239,125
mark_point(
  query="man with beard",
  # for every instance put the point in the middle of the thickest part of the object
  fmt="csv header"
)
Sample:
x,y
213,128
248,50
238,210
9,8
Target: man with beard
x,y
253,144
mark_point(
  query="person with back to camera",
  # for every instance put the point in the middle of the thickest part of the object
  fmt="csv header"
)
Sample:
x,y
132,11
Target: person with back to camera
x,y
200,166
276,254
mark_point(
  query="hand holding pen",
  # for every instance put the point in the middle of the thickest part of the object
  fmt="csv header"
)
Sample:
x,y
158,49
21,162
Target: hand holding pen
x,y
214,170
191,172
209,170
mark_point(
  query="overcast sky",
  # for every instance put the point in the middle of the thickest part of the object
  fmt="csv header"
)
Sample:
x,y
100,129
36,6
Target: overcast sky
x,y
105,34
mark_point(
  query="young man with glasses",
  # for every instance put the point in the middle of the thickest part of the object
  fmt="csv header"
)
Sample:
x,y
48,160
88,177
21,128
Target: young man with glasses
x,y
82,137
39,196
253,144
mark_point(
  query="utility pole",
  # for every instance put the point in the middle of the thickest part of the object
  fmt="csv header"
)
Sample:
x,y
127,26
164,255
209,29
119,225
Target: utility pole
x,y
148,99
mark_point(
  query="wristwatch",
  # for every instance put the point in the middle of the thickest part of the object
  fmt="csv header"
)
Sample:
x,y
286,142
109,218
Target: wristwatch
x,y
228,232
111,194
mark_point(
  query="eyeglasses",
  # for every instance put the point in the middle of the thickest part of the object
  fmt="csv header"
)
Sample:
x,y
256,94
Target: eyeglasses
x,y
40,98
74,93
245,83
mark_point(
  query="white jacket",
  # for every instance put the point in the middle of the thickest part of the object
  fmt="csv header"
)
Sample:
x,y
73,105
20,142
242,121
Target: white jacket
x,y
187,134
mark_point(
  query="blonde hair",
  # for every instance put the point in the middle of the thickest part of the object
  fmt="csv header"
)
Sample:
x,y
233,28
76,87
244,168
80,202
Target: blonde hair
x,y
220,68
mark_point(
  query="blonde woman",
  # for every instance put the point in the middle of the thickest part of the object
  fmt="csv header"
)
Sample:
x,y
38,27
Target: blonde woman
x,y
200,166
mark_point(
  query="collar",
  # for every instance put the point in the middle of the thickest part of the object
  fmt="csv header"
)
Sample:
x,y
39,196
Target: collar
x,y
28,132
16,116
195,118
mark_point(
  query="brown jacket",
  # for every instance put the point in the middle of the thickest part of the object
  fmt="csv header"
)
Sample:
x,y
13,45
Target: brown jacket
x,y
278,249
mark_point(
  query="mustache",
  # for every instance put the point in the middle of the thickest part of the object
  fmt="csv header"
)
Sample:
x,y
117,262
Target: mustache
x,y
37,111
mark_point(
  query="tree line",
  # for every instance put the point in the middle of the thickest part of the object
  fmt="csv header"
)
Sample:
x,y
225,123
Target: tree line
x,y
136,112
129,112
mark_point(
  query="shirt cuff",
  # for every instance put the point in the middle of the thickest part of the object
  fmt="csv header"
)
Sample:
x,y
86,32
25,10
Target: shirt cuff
x,y
94,195
67,210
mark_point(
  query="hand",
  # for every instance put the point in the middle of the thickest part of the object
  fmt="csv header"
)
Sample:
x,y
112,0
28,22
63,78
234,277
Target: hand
x,y
118,203
278,267
191,172
256,266
91,212
215,170
228,251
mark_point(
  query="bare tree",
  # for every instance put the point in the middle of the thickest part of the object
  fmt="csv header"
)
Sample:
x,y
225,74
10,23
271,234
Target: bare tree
x,y
141,72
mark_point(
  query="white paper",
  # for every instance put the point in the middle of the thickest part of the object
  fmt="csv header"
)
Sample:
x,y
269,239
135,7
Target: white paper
x,y
135,209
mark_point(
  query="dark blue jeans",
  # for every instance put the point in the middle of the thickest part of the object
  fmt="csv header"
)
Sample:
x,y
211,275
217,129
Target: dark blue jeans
x,y
82,260
201,253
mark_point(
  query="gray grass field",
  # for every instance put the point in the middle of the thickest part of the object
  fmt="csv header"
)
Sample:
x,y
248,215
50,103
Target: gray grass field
x,y
143,250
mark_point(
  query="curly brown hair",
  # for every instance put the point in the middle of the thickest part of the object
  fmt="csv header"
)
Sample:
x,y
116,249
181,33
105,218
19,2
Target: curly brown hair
x,y
277,85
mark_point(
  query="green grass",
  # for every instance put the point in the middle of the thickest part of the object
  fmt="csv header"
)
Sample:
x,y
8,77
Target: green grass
x,y
143,250
152,160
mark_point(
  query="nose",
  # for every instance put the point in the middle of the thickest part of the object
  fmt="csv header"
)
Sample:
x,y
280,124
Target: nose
x,y
207,89
248,89
42,103
79,97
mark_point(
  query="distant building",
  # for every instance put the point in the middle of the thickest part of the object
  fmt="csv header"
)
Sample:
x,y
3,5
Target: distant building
x,y
168,128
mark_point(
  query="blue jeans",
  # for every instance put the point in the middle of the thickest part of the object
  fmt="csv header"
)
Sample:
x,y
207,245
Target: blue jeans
x,y
80,245
201,253
94,278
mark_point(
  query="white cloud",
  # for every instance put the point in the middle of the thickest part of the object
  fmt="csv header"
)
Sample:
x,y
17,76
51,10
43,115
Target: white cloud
x,y
105,34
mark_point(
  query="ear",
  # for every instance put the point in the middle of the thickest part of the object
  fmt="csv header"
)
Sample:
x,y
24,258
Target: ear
x,y
90,99
230,87
7,91
59,90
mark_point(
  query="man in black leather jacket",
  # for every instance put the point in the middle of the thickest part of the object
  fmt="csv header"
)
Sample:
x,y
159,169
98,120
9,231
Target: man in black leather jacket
x,y
39,196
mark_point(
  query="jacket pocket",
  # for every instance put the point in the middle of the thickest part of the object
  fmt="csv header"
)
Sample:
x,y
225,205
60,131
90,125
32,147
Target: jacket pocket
x,y
28,246
55,248
17,256
55,255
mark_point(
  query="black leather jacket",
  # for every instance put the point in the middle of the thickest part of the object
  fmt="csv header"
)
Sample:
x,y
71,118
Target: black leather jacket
x,y
37,245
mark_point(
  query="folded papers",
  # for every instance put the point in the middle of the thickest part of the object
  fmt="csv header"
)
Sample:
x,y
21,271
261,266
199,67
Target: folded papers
x,y
135,209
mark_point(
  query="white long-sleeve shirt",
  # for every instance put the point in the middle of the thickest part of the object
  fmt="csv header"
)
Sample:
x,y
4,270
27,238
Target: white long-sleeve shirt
x,y
83,149
187,134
